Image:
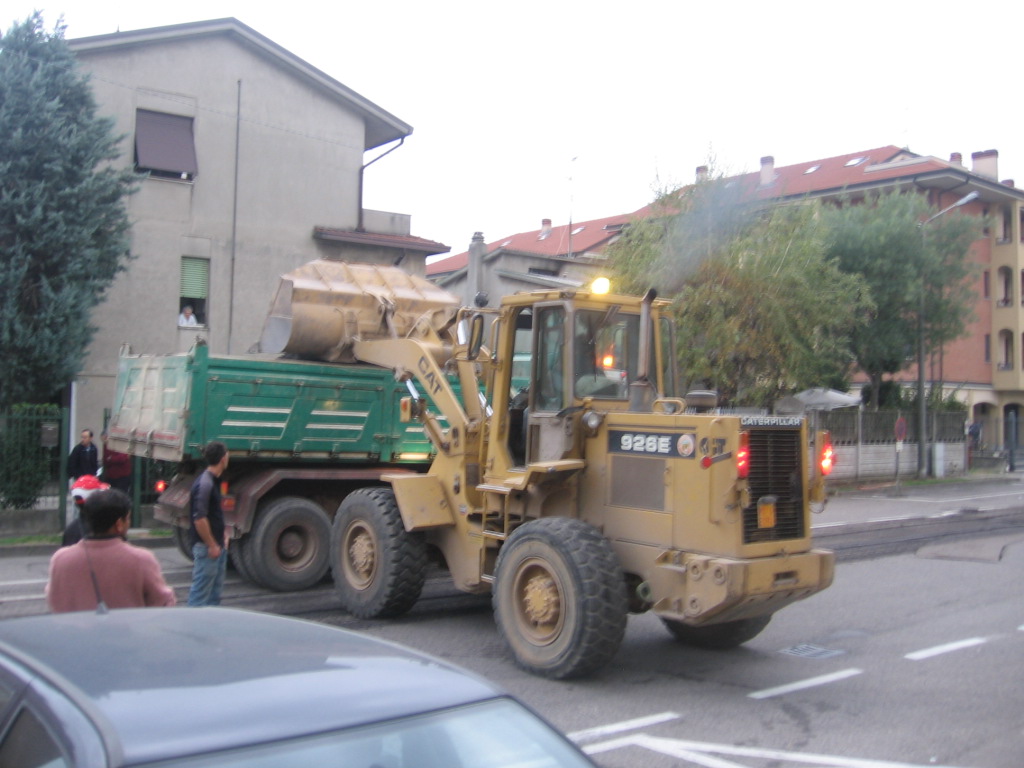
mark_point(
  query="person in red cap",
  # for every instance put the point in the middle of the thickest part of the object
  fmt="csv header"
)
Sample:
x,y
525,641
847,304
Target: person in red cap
x,y
84,487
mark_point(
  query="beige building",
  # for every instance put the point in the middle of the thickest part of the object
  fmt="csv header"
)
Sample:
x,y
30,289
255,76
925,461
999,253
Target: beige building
x,y
252,163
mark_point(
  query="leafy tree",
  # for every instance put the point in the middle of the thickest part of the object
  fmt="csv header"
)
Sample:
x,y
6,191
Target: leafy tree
x,y
760,309
63,224
902,263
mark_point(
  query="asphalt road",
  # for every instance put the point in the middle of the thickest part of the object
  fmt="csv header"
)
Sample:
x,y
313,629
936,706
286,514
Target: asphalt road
x,y
910,659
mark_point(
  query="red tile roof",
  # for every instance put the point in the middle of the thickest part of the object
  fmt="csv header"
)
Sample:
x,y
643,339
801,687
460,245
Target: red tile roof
x,y
576,239
853,171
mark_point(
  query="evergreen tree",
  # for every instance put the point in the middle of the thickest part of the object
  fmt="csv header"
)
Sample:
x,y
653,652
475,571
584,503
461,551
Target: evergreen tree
x,y
63,223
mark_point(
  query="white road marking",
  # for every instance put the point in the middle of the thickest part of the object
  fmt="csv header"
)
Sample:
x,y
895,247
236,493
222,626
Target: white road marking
x,y
927,653
700,753
625,725
802,684
22,582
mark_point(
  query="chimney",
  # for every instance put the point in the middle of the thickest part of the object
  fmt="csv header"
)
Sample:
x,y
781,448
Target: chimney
x,y
475,270
1007,182
986,163
545,229
767,170
957,159
702,174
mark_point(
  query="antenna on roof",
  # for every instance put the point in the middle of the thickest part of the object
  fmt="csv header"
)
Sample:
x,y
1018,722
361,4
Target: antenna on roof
x,y
572,166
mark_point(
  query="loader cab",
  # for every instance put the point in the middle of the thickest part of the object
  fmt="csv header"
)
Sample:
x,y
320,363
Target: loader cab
x,y
576,353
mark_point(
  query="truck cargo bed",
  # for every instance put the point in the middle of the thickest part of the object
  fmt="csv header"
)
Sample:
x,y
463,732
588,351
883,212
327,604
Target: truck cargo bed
x,y
168,406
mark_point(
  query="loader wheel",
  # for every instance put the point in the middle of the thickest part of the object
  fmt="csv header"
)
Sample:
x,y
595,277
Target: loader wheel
x,y
288,546
560,597
181,539
379,567
722,636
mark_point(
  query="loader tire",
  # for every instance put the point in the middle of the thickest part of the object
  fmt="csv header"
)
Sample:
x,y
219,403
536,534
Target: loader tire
x,y
288,547
728,634
379,568
560,598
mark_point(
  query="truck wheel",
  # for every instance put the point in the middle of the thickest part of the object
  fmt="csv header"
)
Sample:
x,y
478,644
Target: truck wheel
x,y
287,548
181,539
728,634
237,555
379,567
560,597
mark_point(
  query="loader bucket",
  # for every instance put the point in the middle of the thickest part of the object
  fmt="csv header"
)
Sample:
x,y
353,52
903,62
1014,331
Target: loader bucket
x,y
324,306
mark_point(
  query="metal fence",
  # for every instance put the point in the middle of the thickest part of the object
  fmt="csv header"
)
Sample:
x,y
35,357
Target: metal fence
x,y
850,426
32,461
34,446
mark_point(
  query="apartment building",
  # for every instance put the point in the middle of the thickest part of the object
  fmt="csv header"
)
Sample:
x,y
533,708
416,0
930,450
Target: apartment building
x,y
985,369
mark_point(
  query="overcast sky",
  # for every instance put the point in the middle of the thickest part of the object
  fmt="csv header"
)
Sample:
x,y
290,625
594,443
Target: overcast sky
x,y
530,110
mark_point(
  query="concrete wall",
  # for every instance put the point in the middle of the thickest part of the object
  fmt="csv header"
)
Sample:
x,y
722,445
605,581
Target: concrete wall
x,y
878,462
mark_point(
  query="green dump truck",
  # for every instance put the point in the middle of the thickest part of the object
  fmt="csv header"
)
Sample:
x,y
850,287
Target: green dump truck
x,y
301,435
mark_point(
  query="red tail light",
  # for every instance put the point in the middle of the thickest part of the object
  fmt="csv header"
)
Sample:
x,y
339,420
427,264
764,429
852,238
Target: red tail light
x,y
828,456
743,456
160,486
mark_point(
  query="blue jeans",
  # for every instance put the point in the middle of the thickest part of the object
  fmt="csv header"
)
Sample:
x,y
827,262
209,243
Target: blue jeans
x,y
207,576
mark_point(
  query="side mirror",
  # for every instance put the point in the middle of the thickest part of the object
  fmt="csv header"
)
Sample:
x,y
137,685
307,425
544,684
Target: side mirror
x,y
476,336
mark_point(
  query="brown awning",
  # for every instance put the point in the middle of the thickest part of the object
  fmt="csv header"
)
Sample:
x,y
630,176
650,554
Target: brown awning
x,y
164,143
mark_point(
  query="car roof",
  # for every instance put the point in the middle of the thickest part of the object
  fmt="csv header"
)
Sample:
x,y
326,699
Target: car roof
x,y
176,681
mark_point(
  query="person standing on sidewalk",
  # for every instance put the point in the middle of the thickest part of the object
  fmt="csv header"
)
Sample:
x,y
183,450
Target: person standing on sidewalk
x,y
206,533
84,459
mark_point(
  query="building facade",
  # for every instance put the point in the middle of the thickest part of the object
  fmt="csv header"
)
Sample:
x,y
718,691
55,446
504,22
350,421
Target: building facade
x,y
985,369
251,162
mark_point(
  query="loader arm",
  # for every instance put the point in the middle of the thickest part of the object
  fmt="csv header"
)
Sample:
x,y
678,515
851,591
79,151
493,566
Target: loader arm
x,y
416,358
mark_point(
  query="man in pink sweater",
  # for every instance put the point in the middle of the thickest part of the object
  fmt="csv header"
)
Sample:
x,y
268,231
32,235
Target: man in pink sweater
x,y
103,567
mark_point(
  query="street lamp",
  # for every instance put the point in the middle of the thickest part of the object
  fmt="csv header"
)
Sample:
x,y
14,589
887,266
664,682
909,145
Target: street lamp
x,y
922,408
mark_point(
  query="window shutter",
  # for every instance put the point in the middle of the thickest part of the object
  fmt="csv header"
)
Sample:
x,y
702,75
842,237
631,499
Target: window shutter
x,y
195,277
164,143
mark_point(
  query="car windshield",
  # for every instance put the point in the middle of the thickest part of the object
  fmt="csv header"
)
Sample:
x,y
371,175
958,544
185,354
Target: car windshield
x,y
499,733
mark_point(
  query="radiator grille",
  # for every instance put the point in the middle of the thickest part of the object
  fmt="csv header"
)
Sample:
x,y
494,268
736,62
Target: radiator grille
x,y
776,469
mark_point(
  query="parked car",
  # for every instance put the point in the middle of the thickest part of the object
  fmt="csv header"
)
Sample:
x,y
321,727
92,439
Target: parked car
x,y
203,687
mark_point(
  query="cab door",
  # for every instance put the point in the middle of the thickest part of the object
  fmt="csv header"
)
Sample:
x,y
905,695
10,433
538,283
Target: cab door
x,y
549,435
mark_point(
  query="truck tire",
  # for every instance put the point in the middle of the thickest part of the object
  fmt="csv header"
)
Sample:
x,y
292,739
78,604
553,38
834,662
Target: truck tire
x,y
728,634
288,545
237,556
379,568
181,540
560,597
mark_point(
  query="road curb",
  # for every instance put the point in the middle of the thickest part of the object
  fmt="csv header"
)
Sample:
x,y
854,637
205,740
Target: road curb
x,y
32,550
825,530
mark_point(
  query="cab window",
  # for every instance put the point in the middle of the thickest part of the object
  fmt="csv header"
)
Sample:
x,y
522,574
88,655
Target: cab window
x,y
605,353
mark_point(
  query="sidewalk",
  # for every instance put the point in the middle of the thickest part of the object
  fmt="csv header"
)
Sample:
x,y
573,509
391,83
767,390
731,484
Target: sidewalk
x,y
877,505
